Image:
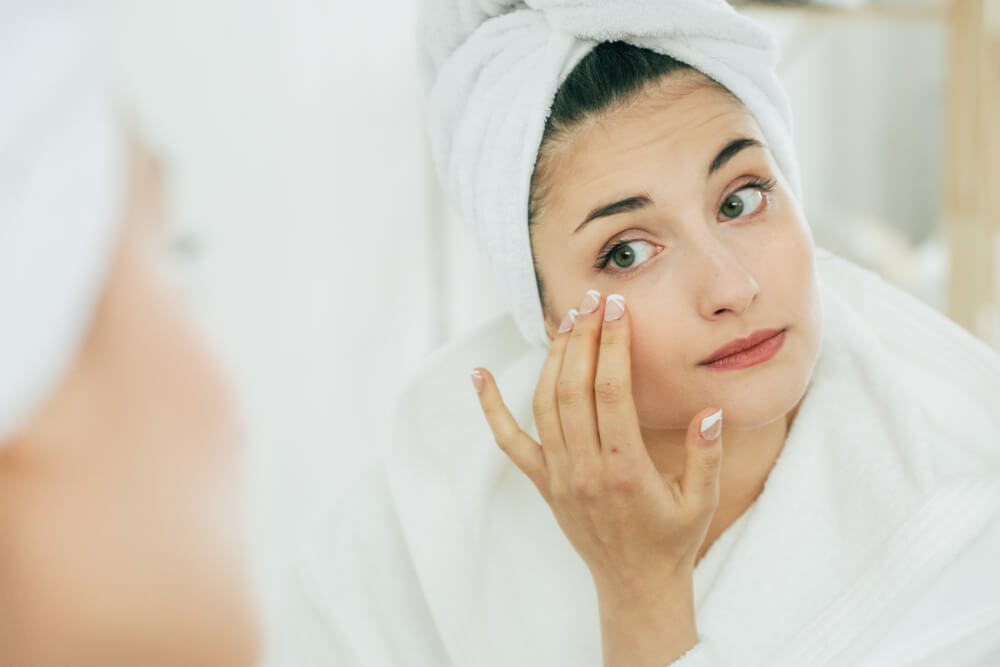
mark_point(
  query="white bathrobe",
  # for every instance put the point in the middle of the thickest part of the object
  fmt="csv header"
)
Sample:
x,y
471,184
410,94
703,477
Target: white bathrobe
x,y
875,541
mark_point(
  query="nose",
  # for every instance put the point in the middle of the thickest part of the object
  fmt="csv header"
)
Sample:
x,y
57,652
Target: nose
x,y
725,287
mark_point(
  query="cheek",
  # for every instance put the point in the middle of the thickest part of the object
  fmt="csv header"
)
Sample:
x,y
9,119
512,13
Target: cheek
x,y
661,360
668,340
788,270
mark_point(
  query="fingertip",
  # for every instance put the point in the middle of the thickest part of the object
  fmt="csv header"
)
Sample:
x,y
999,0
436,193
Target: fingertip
x,y
709,425
479,377
614,308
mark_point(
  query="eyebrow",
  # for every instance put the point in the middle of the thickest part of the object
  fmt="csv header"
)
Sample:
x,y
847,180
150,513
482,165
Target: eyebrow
x,y
642,200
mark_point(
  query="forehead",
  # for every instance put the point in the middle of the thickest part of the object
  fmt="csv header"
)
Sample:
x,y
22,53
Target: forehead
x,y
675,135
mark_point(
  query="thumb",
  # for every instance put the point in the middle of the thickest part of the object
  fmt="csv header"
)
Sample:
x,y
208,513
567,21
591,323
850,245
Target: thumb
x,y
704,458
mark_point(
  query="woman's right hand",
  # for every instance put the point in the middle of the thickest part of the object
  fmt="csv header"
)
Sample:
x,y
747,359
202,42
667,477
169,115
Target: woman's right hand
x,y
638,531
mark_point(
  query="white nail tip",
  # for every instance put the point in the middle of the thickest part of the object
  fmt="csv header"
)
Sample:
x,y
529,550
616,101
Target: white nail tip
x,y
614,308
709,421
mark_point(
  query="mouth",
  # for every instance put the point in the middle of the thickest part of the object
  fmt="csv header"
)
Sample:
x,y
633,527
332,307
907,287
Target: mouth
x,y
755,349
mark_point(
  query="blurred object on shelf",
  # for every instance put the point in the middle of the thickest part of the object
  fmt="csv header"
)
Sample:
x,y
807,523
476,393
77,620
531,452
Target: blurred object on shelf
x,y
872,242
972,164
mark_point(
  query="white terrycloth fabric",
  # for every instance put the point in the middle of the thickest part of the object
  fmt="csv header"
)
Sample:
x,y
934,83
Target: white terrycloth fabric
x,y
875,540
61,176
495,67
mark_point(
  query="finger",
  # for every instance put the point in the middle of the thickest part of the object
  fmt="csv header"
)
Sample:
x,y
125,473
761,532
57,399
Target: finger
x,y
518,445
700,483
545,403
617,421
575,387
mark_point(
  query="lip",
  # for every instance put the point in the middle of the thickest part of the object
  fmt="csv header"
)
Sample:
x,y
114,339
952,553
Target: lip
x,y
756,348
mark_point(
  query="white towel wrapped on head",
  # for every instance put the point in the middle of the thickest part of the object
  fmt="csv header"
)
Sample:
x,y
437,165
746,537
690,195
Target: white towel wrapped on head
x,y
495,67
61,185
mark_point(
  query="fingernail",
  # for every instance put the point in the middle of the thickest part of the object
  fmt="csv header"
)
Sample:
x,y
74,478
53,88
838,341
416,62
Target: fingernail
x,y
614,308
590,301
711,426
477,381
568,321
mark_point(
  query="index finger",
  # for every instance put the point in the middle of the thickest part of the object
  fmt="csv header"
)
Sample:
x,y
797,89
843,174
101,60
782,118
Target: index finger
x,y
518,445
617,420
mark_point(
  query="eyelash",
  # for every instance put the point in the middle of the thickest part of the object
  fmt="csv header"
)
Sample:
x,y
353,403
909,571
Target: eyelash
x,y
605,256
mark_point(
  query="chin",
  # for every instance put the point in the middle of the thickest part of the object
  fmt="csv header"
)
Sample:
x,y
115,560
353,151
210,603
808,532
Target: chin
x,y
777,394
748,399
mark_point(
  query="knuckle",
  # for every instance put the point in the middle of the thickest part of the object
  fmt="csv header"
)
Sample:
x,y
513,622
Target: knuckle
x,y
611,389
614,336
707,499
585,486
620,480
541,406
582,328
558,491
710,463
570,391
505,438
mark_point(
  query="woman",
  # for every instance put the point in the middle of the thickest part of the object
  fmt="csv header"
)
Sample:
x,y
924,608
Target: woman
x,y
120,541
753,451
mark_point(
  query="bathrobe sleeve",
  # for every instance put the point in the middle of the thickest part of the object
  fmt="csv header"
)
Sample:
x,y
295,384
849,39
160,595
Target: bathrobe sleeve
x,y
354,599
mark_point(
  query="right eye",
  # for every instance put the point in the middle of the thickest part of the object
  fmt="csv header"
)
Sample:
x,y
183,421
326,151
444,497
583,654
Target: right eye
x,y
627,255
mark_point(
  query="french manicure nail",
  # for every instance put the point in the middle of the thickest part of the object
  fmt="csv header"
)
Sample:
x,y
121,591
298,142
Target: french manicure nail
x,y
477,381
568,321
711,426
590,301
614,308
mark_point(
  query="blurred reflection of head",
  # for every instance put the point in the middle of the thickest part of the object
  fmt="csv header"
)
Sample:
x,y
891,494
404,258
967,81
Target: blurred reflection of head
x,y
119,452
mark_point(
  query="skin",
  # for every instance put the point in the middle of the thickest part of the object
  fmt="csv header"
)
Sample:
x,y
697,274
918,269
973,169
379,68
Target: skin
x,y
121,541
638,492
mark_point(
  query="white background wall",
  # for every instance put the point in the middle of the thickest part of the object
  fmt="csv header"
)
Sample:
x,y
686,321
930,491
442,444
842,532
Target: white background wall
x,y
320,257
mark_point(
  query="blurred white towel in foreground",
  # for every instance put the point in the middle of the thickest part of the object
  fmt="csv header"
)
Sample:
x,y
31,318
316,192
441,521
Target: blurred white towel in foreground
x,y
61,184
874,542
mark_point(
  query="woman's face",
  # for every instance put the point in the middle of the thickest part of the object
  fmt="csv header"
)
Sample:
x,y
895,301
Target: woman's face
x,y
701,236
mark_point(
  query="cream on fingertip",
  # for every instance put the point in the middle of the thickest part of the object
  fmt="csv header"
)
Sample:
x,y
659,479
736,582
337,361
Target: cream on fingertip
x,y
568,321
711,426
614,308
591,300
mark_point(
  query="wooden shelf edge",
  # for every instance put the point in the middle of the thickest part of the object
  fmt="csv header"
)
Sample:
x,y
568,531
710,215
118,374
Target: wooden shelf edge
x,y
922,12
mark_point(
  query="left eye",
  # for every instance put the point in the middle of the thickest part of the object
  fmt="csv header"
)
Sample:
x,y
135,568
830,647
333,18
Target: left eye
x,y
742,202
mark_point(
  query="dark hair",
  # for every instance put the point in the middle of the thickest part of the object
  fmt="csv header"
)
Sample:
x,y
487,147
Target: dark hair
x,y
610,76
